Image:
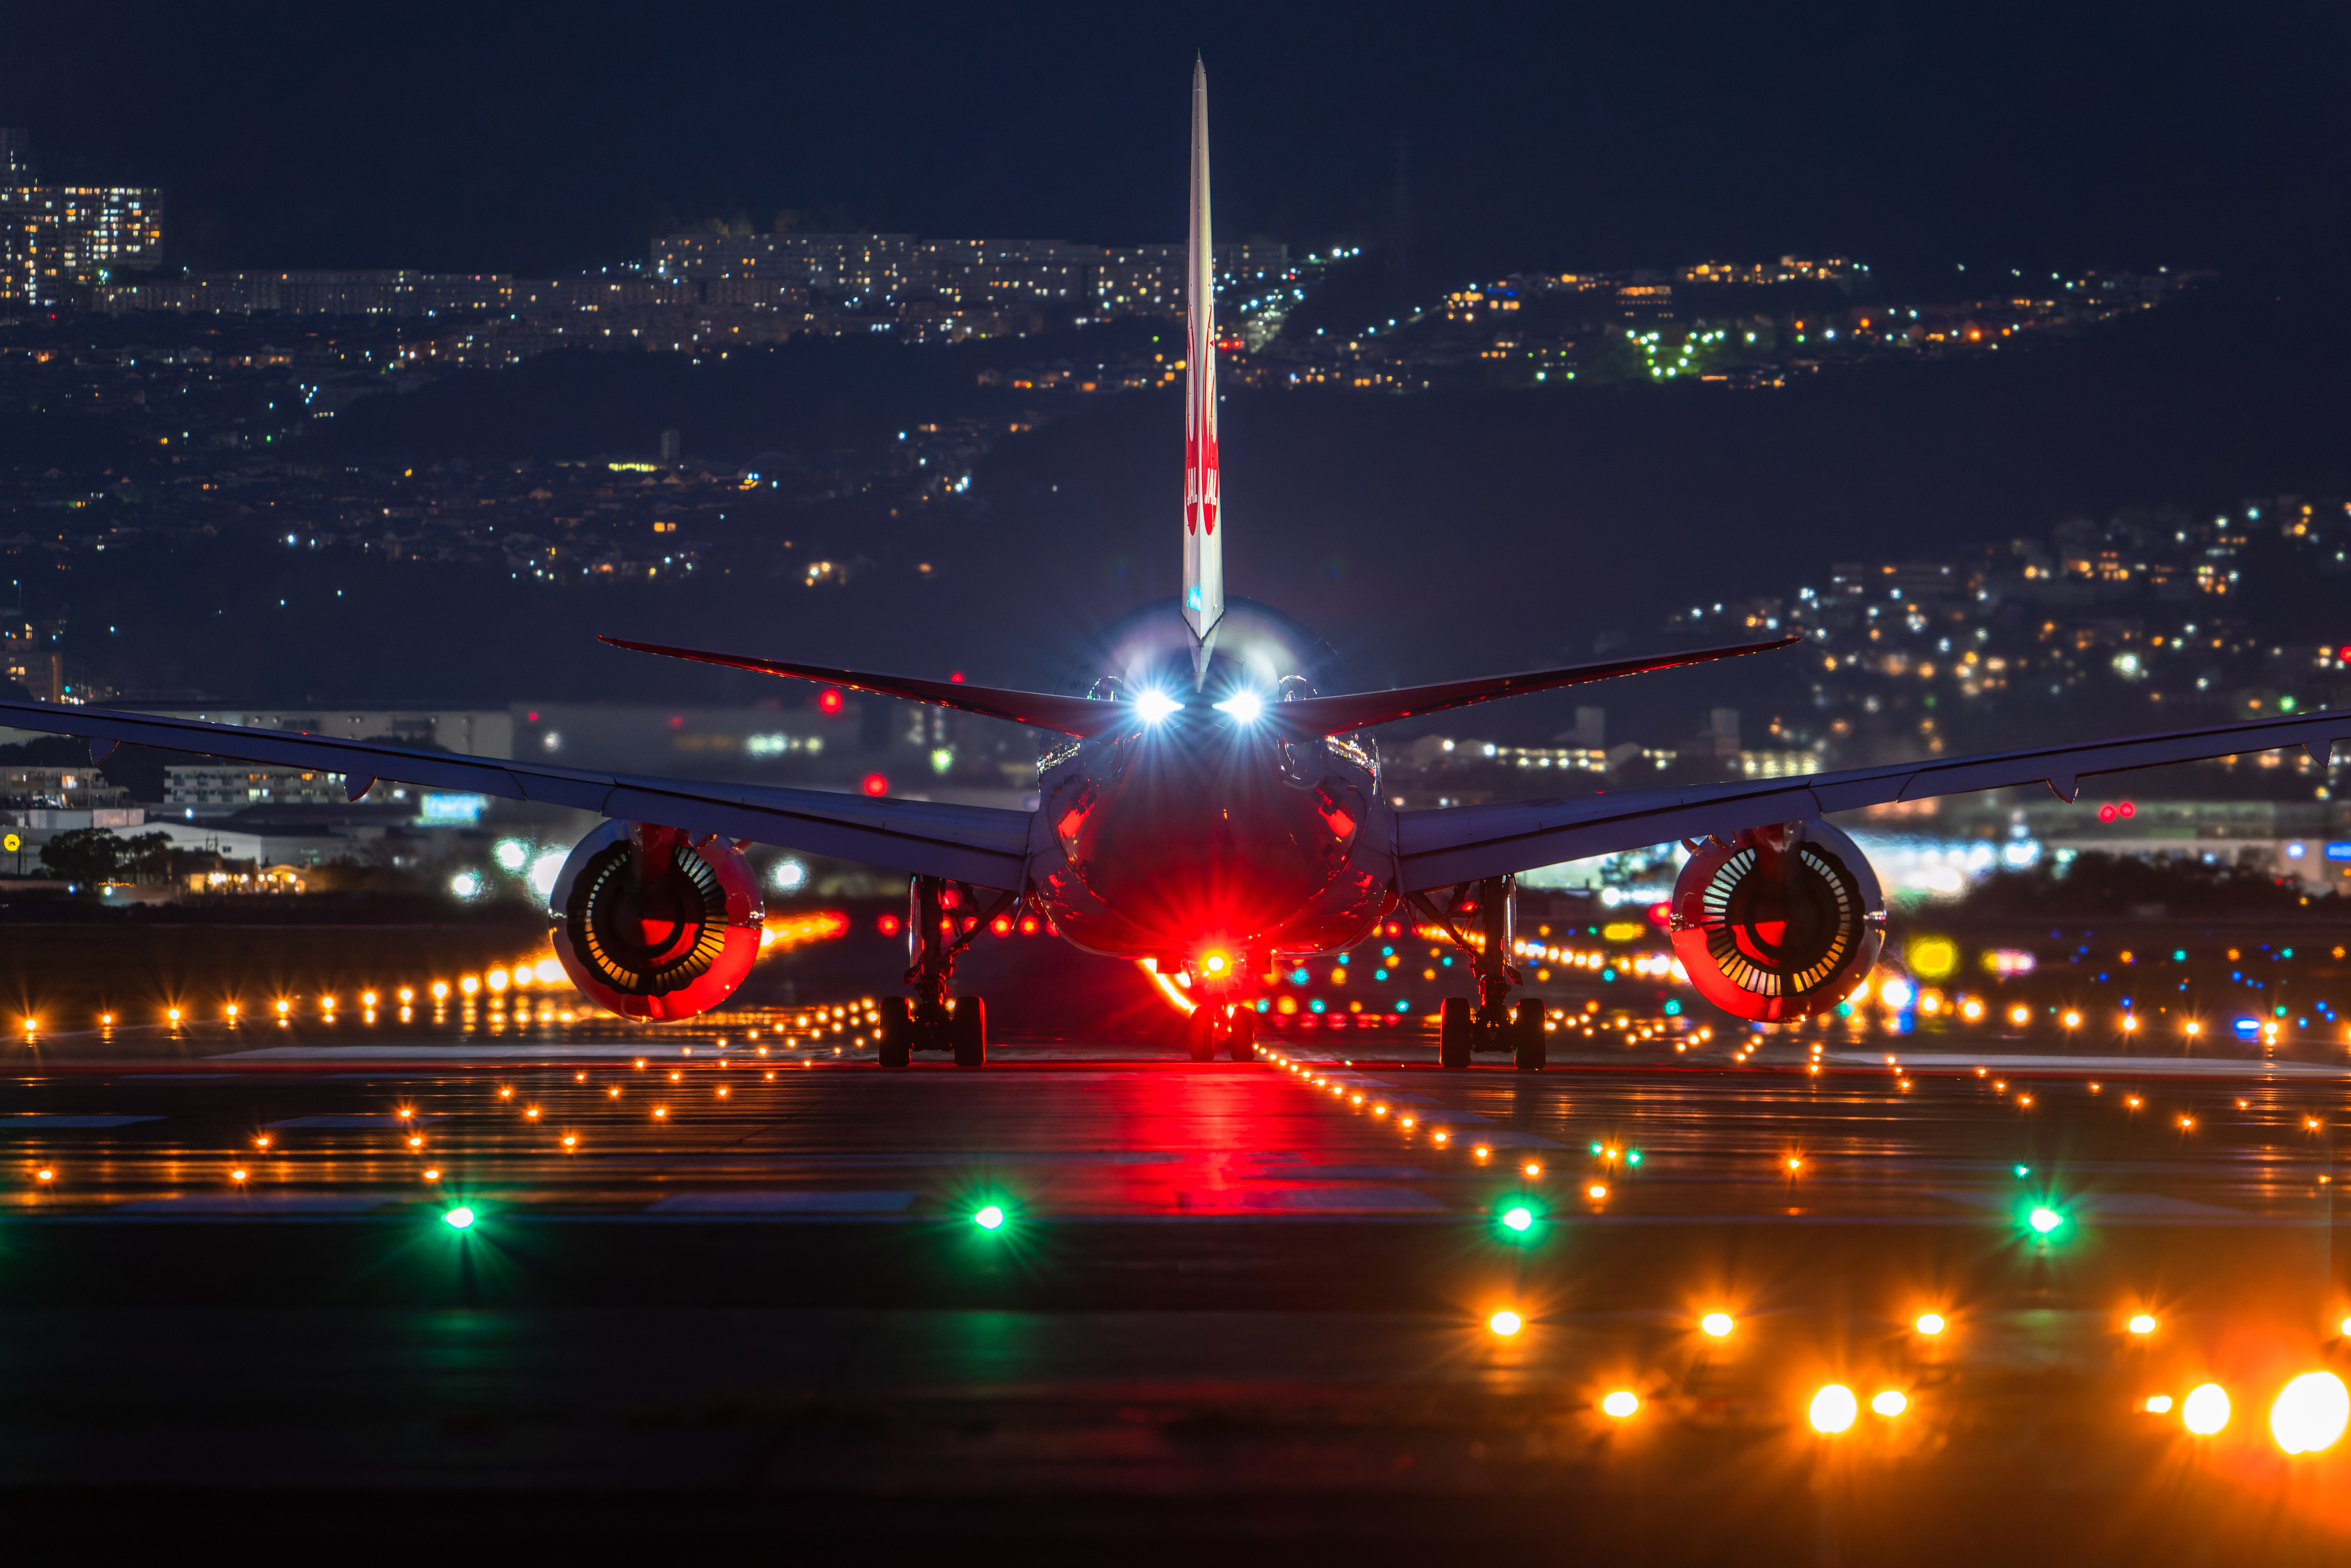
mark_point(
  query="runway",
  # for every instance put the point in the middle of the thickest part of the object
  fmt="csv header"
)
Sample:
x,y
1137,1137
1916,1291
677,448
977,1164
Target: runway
x,y
1245,1304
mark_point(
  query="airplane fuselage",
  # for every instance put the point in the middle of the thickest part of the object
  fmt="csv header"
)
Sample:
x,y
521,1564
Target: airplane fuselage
x,y
1201,824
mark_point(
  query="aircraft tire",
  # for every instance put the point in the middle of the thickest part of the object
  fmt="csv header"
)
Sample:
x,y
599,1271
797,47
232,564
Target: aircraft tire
x,y
1200,1035
896,1045
1242,1044
1456,1031
1529,1054
967,1031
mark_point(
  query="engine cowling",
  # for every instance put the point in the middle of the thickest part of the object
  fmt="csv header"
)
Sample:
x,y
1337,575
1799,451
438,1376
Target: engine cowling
x,y
1780,921
651,923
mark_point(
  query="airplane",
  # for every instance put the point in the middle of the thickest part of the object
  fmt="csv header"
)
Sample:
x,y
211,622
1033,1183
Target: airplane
x,y
1208,806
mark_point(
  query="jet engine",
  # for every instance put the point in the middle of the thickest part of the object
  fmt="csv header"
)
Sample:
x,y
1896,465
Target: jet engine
x,y
1779,922
653,923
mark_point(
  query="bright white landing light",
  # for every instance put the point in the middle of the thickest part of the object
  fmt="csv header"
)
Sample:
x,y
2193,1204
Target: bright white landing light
x,y
1247,707
1156,706
2311,1414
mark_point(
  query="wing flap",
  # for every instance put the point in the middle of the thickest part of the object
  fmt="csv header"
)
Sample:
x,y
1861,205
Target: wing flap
x,y
981,844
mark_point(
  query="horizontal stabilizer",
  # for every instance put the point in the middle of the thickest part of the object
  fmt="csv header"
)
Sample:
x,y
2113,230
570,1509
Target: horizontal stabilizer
x,y
1070,716
1320,716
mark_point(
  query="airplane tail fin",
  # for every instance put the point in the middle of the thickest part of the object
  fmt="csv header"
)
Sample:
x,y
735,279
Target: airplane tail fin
x,y
1203,547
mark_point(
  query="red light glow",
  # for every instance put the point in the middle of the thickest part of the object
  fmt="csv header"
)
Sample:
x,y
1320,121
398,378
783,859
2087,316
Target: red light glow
x,y
887,925
876,785
828,701
956,679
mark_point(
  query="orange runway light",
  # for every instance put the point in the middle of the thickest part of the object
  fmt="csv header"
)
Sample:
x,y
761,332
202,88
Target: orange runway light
x,y
45,1174
1596,1191
262,1141
236,1175
431,1174
569,1140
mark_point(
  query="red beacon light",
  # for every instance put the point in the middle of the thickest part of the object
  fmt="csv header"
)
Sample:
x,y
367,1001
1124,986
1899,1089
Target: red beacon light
x,y
888,925
2118,810
875,785
1661,915
828,701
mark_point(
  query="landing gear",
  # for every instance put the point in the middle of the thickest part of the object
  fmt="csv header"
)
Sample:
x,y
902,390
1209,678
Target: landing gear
x,y
1200,1034
1456,1029
967,1031
1527,1051
1491,1022
935,908
1240,1044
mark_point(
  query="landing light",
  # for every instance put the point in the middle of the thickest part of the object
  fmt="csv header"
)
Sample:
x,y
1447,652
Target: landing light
x,y
1154,706
1246,708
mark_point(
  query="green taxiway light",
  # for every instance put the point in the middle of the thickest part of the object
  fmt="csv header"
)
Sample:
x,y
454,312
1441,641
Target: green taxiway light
x,y
1519,1217
458,1219
990,1217
1634,1158
2024,1171
2044,1219
1596,1148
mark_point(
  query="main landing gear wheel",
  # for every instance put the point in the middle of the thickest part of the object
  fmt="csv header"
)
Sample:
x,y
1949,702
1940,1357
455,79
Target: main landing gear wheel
x,y
1456,1029
897,1045
1528,1052
1241,1044
967,1031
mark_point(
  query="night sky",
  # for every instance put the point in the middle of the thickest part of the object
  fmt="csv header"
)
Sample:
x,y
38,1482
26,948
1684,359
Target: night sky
x,y
533,139
1430,536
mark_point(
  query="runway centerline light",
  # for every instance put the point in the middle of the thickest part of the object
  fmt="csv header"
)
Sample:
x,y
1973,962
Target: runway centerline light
x,y
458,1219
1931,1323
2310,1413
1890,1402
2206,1409
1717,1325
990,1216
1622,1403
1506,1322
1833,1409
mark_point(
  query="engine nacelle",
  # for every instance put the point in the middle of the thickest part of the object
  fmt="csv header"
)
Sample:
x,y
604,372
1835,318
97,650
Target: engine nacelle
x,y
651,923
1778,923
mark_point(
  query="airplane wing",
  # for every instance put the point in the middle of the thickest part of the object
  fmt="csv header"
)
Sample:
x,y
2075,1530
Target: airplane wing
x,y
980,844
1441,848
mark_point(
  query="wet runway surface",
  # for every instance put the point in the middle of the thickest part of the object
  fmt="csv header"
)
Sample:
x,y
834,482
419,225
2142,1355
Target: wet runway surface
x,y
1095,1294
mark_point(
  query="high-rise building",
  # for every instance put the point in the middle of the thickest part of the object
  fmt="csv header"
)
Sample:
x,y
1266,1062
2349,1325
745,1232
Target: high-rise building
x,y
56,240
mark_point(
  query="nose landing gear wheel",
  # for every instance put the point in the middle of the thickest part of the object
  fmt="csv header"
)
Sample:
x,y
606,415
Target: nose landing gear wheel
x,y
1456,1028
1528,1052
1200,1035
967,1031
1241,1045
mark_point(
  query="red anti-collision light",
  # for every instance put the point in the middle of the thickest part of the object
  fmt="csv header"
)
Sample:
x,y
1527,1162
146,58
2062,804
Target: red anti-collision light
x,y
876,785
828,701
887,925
